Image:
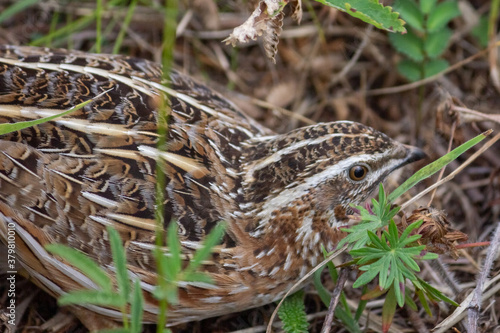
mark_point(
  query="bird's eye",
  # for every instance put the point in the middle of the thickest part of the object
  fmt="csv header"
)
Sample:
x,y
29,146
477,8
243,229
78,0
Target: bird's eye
x,y
358,172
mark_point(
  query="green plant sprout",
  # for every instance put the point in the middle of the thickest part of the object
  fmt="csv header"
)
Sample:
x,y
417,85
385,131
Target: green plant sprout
x,y
293,314
169,269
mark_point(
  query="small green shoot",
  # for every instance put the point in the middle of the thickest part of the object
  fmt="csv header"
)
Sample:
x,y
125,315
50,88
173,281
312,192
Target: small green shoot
x,y
105,296
392,258
293,314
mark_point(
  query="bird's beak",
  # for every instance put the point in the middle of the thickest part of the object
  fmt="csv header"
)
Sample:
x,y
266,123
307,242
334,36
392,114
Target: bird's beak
x,y
414,154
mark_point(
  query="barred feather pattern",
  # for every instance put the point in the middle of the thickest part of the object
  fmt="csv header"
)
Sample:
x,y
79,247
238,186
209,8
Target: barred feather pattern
x,y
281,195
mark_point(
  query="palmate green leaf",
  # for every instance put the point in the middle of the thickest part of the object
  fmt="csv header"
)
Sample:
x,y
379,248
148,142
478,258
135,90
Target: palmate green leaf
x,y
89,267
120,261
95,297
410,12
369,11
293,314
434,167
410,45
437,42
442,14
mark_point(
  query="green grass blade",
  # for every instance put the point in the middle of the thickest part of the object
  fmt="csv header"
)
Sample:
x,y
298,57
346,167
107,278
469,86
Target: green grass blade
x,y
7,128
83,263
98,21
16,7
435,166
120,261
125,25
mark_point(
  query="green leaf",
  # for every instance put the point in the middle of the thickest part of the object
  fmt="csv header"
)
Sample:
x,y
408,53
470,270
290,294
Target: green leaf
x,y
16,7
293,314
323,293
410,70
480,31
369,11
430,290
388,310
423,301
120,262
410,12
410,303
434,167
437,42
212,239
365,278
410,45
442,14
86,265
174,246
199,277
7,128
435,66
427,5
96,297
136,308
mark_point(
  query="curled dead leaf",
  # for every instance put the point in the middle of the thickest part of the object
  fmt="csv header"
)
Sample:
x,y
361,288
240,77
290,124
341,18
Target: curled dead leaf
x,y
266,21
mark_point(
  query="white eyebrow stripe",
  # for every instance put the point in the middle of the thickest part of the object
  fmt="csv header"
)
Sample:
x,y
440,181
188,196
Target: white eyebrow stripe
x,y
291,193
277,155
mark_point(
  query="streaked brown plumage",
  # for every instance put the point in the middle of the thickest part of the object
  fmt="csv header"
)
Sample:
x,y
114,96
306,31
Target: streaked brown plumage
x,y
64,181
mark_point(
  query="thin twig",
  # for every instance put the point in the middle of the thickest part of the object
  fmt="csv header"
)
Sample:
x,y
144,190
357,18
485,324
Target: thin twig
x,y
327,324
475,304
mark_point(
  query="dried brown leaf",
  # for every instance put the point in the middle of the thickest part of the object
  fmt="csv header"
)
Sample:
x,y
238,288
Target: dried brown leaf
x,y
266,21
